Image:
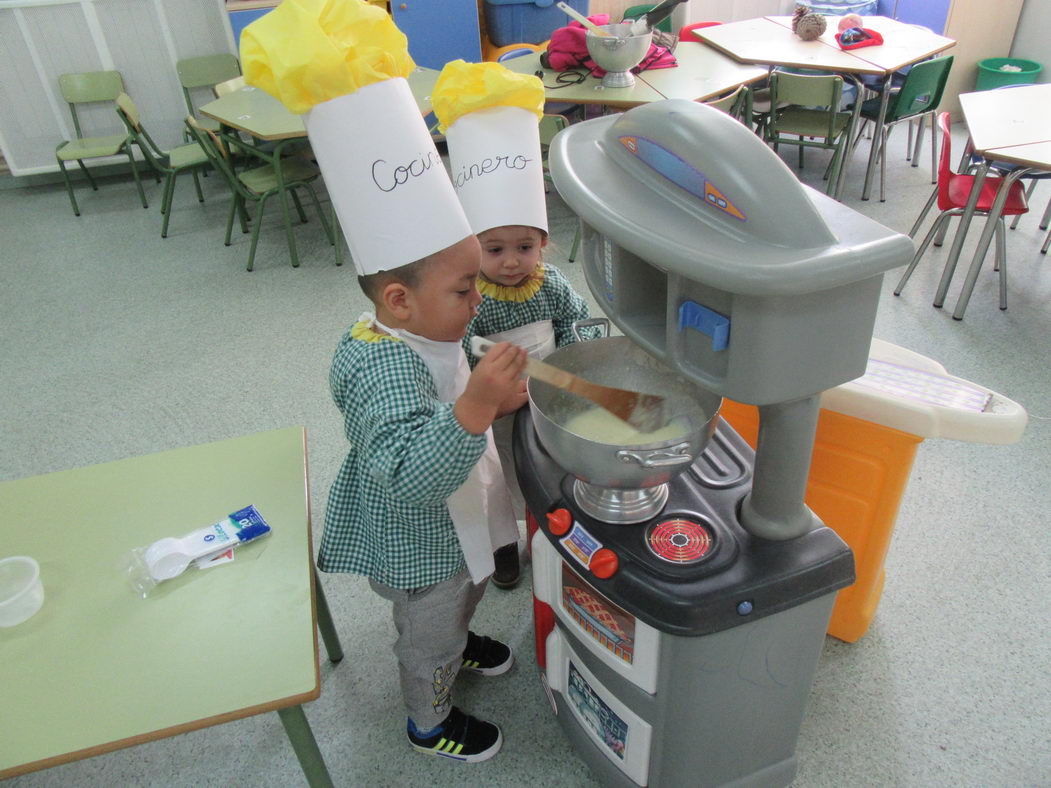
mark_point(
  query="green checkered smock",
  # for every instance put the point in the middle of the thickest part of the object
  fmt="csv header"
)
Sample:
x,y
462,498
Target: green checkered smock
x,y
504,308
387,517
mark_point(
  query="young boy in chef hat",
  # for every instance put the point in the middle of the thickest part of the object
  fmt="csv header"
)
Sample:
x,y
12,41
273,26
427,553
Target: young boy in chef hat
x,y
490,116
419,503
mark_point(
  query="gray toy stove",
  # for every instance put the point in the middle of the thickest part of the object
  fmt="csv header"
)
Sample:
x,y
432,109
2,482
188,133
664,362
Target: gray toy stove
x,y
681,650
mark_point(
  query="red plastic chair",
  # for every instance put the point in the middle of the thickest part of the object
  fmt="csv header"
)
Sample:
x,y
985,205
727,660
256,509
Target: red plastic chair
x,y
952,193
687,28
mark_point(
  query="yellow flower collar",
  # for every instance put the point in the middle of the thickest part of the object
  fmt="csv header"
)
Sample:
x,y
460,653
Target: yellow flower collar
x,y
363,330
518,294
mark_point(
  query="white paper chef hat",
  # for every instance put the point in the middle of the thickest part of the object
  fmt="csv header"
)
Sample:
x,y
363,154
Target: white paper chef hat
x,y
342,65
490,118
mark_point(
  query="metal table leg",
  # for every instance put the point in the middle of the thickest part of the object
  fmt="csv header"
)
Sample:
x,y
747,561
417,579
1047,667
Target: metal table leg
x,y
325,623
877,135
303,742
961,234
983,243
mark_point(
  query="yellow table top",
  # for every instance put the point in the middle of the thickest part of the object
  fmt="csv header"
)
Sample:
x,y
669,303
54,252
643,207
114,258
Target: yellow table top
x,y
702,73
98,667
1006,118
258,113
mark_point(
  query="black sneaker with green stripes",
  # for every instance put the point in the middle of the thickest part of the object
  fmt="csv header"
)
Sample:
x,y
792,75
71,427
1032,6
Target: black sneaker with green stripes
x,y
462,738
486,656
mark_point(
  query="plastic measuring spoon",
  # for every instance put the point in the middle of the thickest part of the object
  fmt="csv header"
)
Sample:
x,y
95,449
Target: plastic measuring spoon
x,y
167,558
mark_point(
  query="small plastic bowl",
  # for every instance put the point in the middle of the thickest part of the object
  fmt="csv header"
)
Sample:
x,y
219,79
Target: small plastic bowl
x,y
21,592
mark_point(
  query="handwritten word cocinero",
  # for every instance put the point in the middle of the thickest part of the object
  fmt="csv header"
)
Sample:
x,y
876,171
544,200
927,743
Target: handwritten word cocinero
x,y
471,171
388,179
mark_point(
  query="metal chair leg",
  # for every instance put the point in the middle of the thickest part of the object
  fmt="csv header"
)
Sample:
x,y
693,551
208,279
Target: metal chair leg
x,y
923,213
197,183
87,174
576,244
299,206
166,202
1047,243
934,149
941,235
69,186
135,174
230,219
1028,194
921,122
255,230
942,219
1046,217
1001,253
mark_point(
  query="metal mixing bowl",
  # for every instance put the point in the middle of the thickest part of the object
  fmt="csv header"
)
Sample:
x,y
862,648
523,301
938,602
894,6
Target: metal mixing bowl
x,y
619,362
618,53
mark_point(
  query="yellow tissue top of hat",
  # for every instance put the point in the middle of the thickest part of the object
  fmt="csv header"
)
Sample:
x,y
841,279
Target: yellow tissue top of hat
x,y
463,88
305,52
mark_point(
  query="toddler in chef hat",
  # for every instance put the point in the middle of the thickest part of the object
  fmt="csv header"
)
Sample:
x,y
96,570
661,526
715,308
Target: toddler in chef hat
x,y
419,504
490,117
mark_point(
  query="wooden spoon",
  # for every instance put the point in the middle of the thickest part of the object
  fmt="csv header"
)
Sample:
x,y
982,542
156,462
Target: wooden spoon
x,y
644,412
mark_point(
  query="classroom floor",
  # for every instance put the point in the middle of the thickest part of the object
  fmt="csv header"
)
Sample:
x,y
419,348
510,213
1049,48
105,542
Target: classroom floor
x,y
119,343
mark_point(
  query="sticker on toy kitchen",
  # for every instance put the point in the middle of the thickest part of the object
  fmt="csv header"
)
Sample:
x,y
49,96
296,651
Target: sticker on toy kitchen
x,y
681,173
610,729
608,625
581,545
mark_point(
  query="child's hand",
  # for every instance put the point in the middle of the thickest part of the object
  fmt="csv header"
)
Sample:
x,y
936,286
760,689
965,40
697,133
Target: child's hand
x,y
514,400
494,380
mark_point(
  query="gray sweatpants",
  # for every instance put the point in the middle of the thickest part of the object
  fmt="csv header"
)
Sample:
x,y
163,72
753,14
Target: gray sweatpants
x,y
432,634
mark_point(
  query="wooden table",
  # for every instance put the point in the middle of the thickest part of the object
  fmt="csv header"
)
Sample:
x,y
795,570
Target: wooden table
x,y
767,41
1013,126
703,73
770,40
99,668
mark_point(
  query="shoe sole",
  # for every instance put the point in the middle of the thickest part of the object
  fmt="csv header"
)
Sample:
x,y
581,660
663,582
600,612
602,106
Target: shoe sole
x,y
497,670
484,755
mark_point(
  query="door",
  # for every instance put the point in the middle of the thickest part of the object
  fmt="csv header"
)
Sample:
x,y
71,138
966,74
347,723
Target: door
x,y
439,30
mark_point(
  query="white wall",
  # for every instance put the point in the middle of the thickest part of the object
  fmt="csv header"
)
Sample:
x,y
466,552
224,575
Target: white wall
x,y
1031,40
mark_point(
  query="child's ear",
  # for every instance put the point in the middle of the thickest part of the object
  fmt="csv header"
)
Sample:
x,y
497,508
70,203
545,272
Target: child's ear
x,y
395,297
543,240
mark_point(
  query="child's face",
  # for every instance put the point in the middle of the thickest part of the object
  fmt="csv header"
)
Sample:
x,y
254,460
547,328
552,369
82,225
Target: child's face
x,y
446,297
510,254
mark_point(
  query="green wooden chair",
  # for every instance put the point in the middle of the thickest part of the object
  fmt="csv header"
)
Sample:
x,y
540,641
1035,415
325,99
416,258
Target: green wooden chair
x,y
87,88
179,159
810,118
737,104
918,97
550,125
206,71
259,184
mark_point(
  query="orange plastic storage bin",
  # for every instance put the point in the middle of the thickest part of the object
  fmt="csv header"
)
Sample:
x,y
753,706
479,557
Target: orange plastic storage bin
x,y
857,478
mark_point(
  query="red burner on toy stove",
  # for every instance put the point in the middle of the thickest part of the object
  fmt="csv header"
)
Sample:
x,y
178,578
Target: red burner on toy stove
x,y
679,541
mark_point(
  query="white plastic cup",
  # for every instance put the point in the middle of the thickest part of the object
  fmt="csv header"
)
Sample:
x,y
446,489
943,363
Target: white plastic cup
x,y
21,592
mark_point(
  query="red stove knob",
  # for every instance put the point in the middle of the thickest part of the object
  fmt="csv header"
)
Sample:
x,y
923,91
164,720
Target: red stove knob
x,y
559,521
604,563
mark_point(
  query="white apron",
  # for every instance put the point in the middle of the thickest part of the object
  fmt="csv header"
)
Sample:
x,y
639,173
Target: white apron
x,y
539,341
537,338
481,507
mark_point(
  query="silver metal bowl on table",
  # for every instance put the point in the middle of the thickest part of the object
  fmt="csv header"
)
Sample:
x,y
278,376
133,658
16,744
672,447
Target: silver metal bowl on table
x,y
619,362
618,53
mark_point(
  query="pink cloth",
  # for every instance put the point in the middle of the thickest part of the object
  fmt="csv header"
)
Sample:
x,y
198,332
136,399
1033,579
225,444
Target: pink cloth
x,y
568,49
